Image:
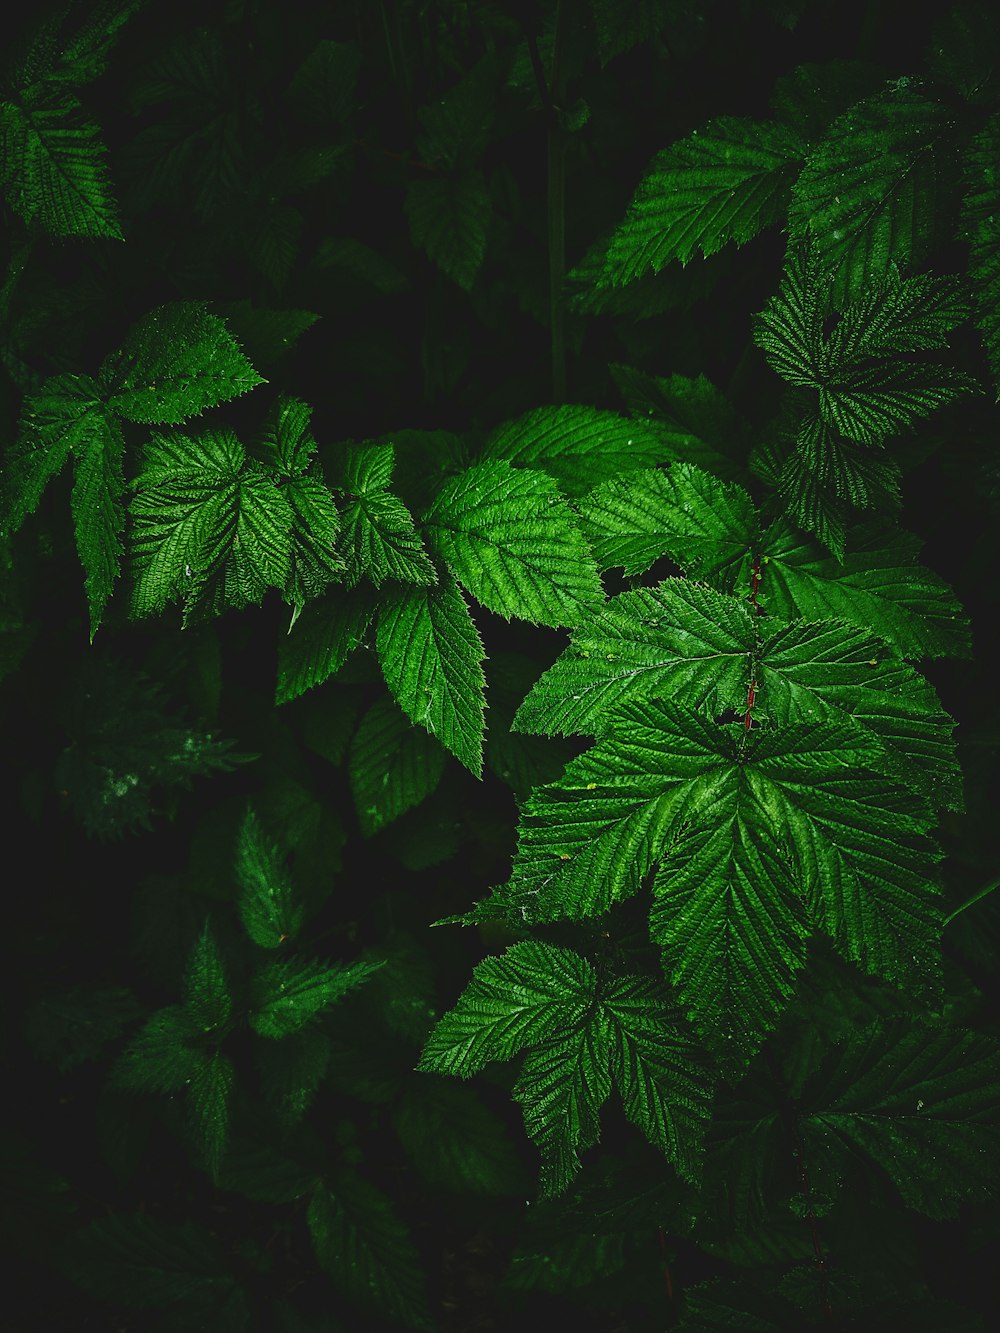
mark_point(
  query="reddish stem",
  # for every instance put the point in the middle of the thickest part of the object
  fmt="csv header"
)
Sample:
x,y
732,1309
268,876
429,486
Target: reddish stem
x,y
752,690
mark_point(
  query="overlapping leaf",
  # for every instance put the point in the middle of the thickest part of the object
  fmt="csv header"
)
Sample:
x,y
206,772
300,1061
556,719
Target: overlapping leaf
x,y
177,361
320,642
762,838
868,194
207,525
880,586
380,538
512,541
921,1102
449,217
704,525
431,656
579,1035
577,445
392,766
723,184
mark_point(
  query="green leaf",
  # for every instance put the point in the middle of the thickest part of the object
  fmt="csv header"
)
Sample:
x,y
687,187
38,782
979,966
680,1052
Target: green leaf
x,y
578,446
454,1141
98,509
449,217
320,642
880,587
981,228
523,997
723,184
661,1074
431,656
322,90
513,543
702,524
366,1249
144,1262
866,389
53,167
206,525
209,1093
561,1088
175,362
578,1034
267,904
159,1057
207,1000
694,420
681,640
285,995
869,192
61,417
392,767
761,837
919,1101
381,540
832,671
70,1028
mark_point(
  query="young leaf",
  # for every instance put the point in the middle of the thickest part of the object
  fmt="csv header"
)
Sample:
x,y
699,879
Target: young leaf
x,y
207,1000
366,1249
379,535
512,541
267,904
702,524
431,656
392,766
576,445
286,995
723,184
175,362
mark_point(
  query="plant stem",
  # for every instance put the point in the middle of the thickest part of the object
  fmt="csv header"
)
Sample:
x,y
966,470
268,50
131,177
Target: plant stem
x,y
752,687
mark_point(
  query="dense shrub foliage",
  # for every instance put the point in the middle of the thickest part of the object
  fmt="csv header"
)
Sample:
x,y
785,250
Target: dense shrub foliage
x,y
499,512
